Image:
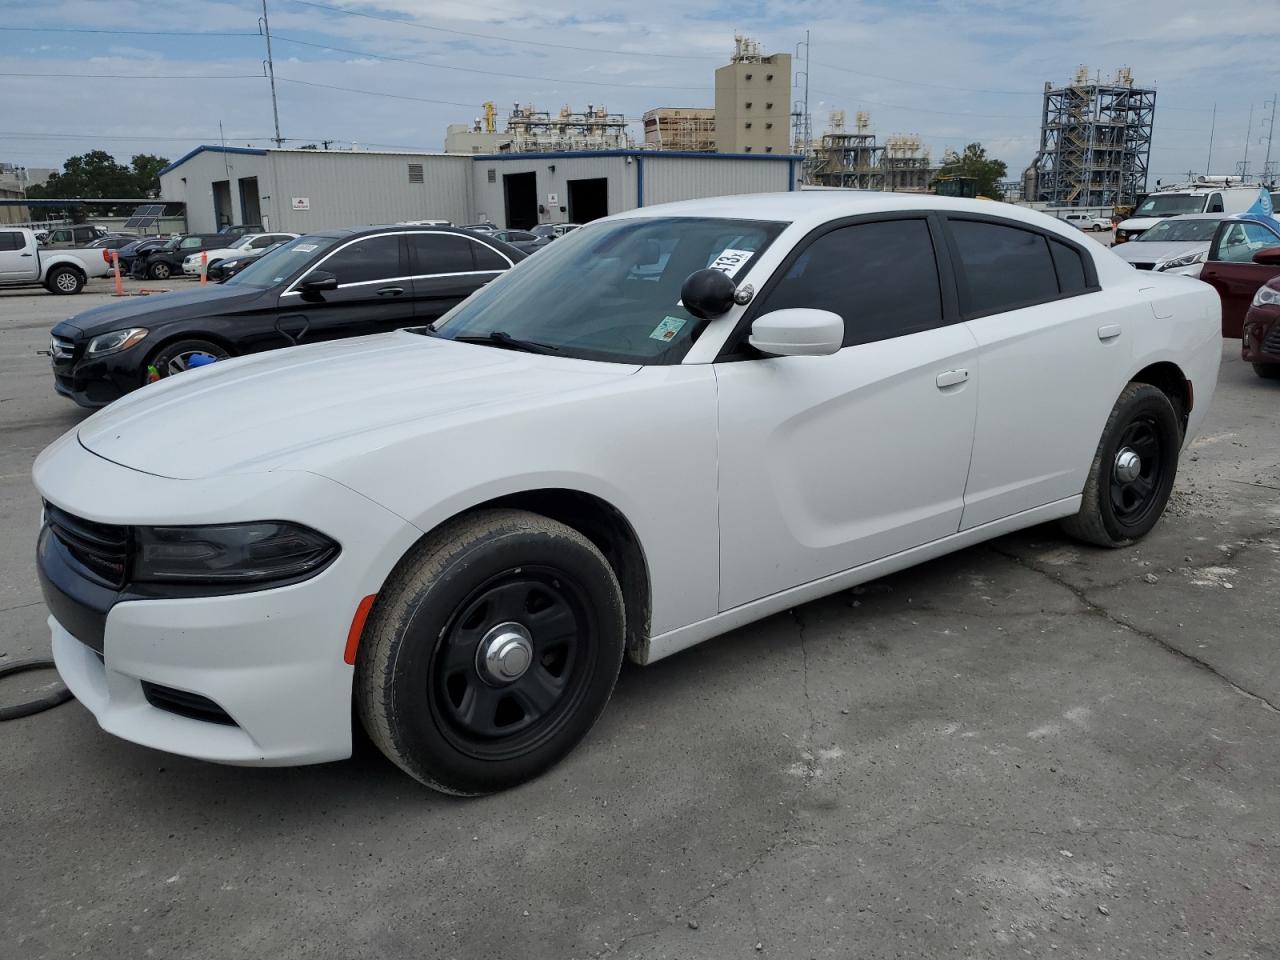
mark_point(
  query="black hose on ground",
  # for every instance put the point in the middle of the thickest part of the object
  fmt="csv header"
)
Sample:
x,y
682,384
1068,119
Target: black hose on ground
x,y
59,694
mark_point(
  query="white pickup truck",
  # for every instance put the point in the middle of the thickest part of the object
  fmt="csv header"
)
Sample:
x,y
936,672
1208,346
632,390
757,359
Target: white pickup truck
x,y
24,264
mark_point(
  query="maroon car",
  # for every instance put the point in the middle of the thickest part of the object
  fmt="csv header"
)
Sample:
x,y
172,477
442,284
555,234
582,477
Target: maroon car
x,y
1260,344
1244,255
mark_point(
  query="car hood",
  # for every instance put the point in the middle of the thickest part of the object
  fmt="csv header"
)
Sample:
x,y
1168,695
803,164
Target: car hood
x,y
138,311
1139,251
272,410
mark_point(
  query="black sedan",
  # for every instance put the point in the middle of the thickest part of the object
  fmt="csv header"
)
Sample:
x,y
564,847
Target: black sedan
x,y
523,240
222,270
138,248
343,283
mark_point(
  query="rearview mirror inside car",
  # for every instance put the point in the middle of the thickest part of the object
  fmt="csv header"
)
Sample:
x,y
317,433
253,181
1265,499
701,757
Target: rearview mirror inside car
x,y
318,281
798,332
1268,256
707,294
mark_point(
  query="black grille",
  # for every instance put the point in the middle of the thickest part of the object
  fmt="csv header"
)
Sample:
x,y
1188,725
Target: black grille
x,y
185,704
101,548
1272,343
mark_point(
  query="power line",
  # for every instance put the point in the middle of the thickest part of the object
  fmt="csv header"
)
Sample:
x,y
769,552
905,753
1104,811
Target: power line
x,y
140,76
489,36
371,93
127,33
487,73
37,135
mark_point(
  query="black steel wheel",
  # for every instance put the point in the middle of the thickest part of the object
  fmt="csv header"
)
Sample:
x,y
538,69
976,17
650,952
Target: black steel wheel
x,y
1133,470
159,271
490,651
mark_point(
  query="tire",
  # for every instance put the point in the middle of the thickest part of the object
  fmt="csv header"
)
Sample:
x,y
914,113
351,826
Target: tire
x,y
159,271
64,281
1267,371
173,357
1115,512
471,733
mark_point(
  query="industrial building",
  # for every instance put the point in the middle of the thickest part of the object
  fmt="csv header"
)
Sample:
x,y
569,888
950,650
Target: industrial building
x,y
680,128
753,101
530,130
858,161
308,190
1095,142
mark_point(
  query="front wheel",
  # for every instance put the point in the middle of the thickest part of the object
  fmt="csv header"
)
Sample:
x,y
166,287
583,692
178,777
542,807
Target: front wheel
x,y
490,652
1267,371
1132,472
180,356
159,271
64,280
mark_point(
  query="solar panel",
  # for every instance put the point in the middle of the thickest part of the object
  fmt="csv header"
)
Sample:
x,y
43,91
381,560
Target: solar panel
x,y
145,216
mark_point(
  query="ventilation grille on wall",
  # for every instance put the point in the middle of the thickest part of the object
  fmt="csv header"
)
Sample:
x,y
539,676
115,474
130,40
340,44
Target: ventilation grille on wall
x,y
415,173
493,175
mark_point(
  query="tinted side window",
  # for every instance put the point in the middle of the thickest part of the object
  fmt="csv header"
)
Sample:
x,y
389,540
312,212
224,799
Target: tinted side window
x,y
882,278
11,240
1069,263
441,253
374,258
1240,241
1215,204
60,236
1003,268
487,258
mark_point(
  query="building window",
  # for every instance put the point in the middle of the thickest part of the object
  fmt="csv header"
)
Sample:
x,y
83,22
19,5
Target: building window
x,y
768,77
493,175
415,173
748,76
768,106
746,149
747,105
768,149
768,126
748,124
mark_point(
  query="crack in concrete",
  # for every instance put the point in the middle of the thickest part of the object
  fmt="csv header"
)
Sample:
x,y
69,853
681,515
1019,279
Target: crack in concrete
x,y
21,606
810,754
1102,612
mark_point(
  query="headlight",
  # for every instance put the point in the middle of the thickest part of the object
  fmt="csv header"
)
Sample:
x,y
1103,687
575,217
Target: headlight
x,y
263,552
1266,296
115,341
1184,261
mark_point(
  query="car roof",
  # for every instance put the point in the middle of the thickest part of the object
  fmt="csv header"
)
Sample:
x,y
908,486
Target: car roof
x,y
1270,222
1198,216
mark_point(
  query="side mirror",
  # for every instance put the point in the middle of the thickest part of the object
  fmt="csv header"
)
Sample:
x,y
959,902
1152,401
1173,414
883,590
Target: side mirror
x,y
1268,256
707,294
318,281
798,332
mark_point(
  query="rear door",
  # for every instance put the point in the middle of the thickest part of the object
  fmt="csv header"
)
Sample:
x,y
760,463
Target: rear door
x,y
1231,271
18,260
448,268
1051,354
374,293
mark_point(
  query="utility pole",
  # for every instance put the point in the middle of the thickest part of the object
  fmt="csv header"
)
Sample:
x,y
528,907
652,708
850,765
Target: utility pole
x,y
1213,123
804,133
1266,162
271,72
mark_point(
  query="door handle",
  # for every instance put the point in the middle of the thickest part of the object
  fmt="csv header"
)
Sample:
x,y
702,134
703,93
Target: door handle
x,y
1108,331
25,254
951,378
390,291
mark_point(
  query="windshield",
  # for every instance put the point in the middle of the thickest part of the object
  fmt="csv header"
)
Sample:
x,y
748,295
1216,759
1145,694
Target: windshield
x,y
277,265
610,291
1171,204
1174,231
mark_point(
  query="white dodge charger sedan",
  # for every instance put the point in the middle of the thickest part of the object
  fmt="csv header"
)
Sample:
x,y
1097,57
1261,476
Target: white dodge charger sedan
x,y
668,424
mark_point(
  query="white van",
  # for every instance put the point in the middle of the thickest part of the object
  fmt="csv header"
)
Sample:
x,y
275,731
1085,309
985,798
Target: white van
x,y
1203,196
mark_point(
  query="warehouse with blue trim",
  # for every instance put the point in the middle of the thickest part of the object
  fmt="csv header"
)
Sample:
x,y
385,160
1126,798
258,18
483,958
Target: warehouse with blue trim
x,y
304,191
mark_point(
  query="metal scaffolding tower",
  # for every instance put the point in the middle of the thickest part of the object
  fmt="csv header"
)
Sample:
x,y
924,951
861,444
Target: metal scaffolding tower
x,y
1095,141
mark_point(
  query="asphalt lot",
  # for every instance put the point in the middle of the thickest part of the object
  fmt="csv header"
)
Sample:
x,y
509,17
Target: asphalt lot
x,y
1030,748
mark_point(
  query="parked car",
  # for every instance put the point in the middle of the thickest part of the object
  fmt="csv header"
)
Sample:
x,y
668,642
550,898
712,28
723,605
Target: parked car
x,y
553,230
1086,221
228,268
250,241
136,249
1240,260
320,287
1200,198
480,227
161,263
1260,342
113,241
77,236
240,229
1173,243
465,527
522,240
23,263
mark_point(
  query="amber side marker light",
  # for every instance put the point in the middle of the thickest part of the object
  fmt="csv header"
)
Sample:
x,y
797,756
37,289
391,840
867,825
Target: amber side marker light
x,y
357,628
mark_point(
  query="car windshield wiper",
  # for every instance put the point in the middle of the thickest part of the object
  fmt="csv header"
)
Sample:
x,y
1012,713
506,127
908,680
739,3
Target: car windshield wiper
x,y
500,338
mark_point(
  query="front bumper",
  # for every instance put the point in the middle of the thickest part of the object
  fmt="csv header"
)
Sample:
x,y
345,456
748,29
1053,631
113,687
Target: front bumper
x,y
95,383
1260,342
271,662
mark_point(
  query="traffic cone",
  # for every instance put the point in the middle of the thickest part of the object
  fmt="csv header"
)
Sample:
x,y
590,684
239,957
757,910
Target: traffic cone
x,y
115,265
204,269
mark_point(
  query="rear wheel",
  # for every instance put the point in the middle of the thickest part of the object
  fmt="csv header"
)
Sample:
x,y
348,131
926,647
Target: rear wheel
x,y
180,356
491,652
64,280
1132,472
1268,371
159,271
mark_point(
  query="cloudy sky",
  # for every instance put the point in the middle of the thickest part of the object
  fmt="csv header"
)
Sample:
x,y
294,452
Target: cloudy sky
x,y
158,77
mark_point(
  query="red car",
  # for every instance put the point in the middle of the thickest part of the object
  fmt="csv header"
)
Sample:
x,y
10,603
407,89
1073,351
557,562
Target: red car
x,y
1244,255
1260,344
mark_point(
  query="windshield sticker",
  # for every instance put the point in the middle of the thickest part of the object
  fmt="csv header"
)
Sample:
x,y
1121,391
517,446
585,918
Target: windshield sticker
x,y
728,261
305,248
667,329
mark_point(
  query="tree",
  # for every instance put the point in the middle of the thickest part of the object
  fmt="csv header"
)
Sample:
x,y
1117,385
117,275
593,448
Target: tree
x,y
96,174
974,163
146,173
